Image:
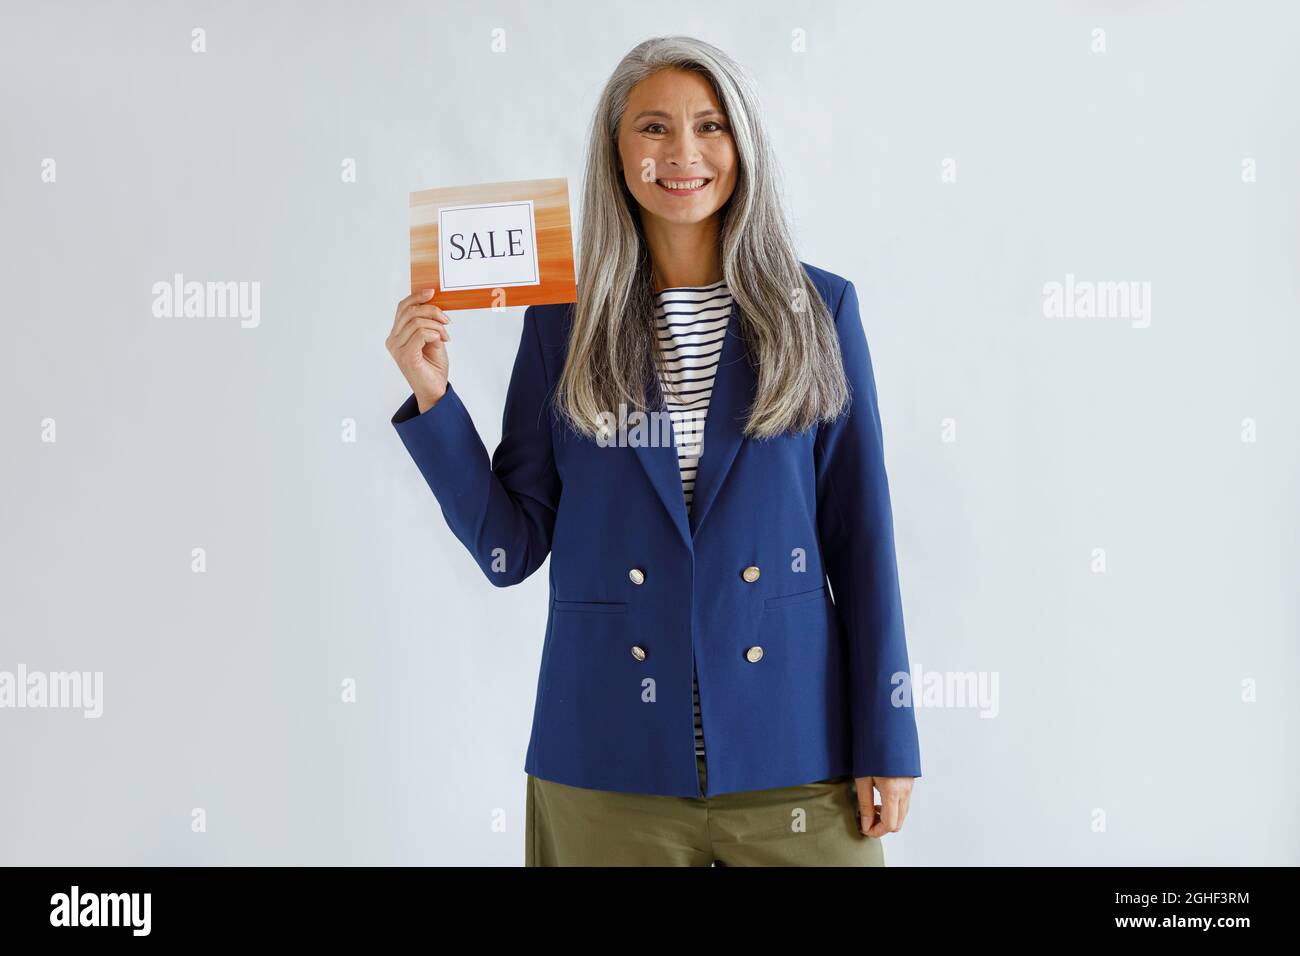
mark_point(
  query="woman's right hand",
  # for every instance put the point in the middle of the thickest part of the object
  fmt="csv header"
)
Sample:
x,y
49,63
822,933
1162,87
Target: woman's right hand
x,y
416,345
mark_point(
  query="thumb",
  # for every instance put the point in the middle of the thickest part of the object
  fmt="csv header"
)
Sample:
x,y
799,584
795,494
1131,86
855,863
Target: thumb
x,y
867,806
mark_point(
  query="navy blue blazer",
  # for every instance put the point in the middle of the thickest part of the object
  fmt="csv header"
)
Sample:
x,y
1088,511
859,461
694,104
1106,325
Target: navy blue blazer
x,y
796,683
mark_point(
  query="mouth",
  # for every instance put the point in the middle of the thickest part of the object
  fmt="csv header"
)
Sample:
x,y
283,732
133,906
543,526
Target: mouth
x,y
684,187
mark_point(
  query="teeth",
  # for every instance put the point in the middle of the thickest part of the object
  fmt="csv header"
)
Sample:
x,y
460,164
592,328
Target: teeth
x,y
684,184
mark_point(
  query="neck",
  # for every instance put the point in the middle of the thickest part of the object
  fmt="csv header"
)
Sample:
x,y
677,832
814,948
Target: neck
x,y
683,254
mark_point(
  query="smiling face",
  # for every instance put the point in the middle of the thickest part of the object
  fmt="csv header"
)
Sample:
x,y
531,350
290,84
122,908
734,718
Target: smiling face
x,y
675,146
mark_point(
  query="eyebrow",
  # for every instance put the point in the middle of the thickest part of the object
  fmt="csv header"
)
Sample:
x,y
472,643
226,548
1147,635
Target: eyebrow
x,y
707,112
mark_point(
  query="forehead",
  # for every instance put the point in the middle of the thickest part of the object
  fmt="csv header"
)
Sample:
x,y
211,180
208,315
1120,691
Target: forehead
x,y
673,88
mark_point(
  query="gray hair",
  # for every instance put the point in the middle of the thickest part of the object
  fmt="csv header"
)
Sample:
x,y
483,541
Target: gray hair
x,y
788,328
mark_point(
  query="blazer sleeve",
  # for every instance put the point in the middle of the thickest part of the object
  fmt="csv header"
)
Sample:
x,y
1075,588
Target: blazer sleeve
x,y
856,528
502,512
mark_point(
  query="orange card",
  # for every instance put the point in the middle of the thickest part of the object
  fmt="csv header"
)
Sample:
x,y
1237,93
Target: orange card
x,y
498,244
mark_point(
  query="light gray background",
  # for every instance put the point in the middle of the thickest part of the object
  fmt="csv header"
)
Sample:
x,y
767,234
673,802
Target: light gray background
x,y
330,560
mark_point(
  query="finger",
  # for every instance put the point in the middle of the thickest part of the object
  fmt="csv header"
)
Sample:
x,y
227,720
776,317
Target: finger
x,y
415,297
866,804
429,311
865,795
402,336
421,340
426,310
421,334
870,820
888,816
904,802
411,321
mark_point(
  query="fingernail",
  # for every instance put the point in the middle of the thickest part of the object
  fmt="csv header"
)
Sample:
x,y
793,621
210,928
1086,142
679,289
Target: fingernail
x,y
428,293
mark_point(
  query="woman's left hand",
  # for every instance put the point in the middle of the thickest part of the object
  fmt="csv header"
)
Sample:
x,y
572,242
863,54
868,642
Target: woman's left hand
x,y
877,819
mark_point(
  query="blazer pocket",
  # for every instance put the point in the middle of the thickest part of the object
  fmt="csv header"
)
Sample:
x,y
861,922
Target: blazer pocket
x,y
598,607
799,597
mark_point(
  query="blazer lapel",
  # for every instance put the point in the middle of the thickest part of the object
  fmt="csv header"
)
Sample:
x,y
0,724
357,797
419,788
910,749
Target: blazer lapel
x,y
733,389
660,464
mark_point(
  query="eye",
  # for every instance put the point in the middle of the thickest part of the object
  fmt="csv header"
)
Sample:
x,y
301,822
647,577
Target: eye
x,y
652,128
718,126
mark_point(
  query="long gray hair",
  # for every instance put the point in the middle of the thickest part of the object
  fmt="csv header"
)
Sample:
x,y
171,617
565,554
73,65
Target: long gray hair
x,y
613,348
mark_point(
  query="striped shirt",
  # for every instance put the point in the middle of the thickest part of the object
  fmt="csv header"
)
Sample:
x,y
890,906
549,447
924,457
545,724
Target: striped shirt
x,y
691,322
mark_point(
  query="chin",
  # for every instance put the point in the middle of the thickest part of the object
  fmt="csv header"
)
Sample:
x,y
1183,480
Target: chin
x,y
681,217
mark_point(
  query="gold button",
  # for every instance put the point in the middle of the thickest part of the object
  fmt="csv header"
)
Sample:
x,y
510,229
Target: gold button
x,y
750,574
638,652
637,576
754,655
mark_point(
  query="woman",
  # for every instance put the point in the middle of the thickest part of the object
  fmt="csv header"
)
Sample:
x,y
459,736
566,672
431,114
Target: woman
x,y
702,698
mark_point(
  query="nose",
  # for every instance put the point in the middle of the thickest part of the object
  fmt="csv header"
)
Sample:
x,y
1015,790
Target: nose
x,y
683,150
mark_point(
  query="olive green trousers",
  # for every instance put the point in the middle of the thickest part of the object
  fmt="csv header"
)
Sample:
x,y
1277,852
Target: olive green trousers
x,y
813,824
